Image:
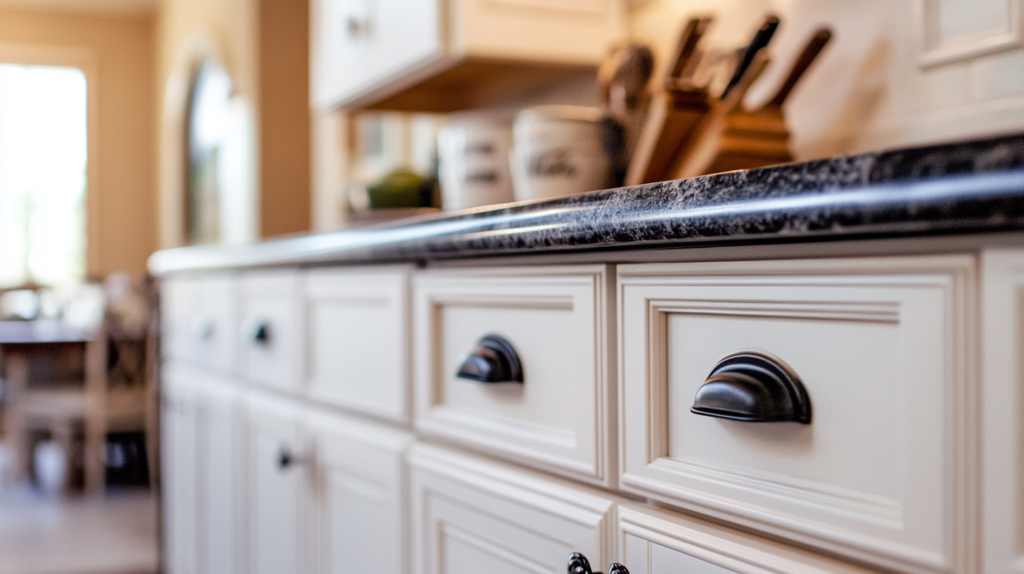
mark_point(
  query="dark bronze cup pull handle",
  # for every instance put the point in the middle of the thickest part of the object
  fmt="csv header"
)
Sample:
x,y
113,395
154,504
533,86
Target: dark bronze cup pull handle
x,y
494,360
578,564
753,387
261,333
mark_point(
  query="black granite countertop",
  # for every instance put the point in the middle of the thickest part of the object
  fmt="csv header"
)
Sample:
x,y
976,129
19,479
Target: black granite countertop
x,y
966,187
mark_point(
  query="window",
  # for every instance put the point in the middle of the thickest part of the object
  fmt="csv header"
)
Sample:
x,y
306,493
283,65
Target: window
x,y
43,156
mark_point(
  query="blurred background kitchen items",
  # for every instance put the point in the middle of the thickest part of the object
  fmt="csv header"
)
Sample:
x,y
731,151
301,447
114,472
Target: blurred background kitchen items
x,y
563,150
473,155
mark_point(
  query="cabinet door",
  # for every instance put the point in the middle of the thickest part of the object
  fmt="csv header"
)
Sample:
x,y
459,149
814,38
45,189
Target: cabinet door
x,y
472,516
219,480
277,480
178,438
360,44
360,505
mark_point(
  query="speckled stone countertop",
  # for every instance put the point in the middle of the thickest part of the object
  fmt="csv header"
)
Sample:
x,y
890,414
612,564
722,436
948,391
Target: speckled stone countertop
x,y
966,187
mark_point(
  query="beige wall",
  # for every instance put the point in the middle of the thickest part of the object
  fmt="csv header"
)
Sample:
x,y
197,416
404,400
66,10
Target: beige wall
x,y
891,77
234,32
117,53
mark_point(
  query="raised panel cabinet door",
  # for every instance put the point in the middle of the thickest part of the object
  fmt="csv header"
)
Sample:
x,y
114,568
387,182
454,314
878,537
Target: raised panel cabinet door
x,y
361,44
272,347
555,411
178,461
472,516
277,486
360,501
199,323
879,466
358,339
1002,410
220,485
654,541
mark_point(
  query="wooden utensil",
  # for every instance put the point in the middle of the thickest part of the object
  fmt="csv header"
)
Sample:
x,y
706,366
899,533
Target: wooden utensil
x,y
673,112
733,138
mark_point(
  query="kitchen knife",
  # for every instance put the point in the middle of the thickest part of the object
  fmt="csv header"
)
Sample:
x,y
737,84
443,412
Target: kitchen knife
x,y
761,39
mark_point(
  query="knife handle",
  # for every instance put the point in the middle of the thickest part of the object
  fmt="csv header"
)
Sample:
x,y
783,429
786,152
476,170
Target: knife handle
x,y
761,40
686,48
814,47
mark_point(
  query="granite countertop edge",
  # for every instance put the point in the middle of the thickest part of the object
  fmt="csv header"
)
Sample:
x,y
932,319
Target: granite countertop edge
x,y
972,186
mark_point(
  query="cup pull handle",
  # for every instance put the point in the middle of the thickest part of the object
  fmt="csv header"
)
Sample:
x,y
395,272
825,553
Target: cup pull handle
x,y
753,387
578,564
494,360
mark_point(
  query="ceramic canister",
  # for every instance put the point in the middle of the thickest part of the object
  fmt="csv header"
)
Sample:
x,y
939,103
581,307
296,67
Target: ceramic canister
x,y
559,150
473,162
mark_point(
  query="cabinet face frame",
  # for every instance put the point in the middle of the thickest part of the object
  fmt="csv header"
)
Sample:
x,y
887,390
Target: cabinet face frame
x,y
775,504
1002,410
586,451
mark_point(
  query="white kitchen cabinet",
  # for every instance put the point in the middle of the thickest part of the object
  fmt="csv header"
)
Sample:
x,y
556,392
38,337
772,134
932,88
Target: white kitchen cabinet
x,y
880,346
472,516
278,486
359,504
200,322
443,55
271,346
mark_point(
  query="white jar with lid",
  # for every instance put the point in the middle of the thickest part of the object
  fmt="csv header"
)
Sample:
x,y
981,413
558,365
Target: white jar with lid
x,y
560,150
473,165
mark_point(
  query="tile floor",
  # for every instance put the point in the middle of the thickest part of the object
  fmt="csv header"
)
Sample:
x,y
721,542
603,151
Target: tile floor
x,y
114,534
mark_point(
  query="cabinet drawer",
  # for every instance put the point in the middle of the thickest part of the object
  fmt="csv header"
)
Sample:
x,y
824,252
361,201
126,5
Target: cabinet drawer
x,y
880,347
656,542
271,329
471,516
199,317
358,340
555,321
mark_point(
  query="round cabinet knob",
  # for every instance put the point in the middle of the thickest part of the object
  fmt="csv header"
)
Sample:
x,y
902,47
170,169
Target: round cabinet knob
x,y
494,360
287,459
202,326
578,564
753,387
261,333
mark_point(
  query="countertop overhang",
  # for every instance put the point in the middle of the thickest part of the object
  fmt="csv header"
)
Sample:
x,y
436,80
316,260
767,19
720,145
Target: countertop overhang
x,y
965,187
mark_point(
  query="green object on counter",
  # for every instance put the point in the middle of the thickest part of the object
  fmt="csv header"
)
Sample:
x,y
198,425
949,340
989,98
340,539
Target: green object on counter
x,y
398,189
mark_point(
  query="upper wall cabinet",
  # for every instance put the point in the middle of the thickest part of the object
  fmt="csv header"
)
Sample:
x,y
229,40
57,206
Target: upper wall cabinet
x,y
446,55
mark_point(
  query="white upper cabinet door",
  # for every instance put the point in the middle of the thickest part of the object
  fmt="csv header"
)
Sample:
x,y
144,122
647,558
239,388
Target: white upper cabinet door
x,y
1002,412
471,516
360,44
553,322
657,542
883,471
358,334
277,487
360,501
452,51
199,318
271,329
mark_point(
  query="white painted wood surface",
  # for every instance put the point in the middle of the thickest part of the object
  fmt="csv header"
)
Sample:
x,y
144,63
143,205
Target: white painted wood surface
x,y
881,346
557,319
1002,412
199,320
471,516
272,299
179,478
358,340
360,505
278,540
